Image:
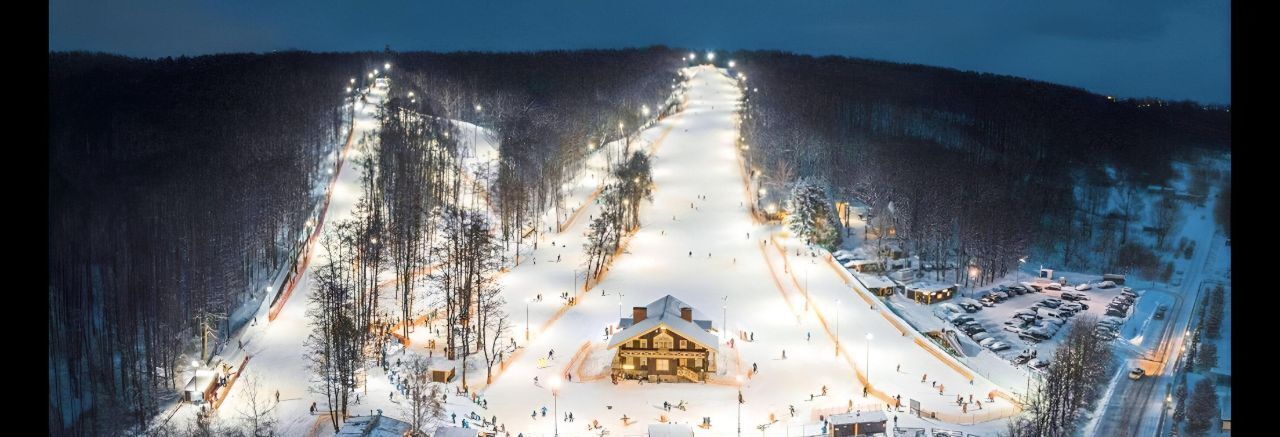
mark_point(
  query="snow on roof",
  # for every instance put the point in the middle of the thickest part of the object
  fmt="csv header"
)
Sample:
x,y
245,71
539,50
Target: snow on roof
x,y
455,431
860,262
669,430
876,282
385,427
858,417
666,312
930,286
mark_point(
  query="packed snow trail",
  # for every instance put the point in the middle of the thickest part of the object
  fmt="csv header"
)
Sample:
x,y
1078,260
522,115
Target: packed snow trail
x,y
699,206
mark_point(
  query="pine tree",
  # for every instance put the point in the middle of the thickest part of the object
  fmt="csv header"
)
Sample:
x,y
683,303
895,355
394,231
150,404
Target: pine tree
x,y
1180,409
1213,322
1204,408
811,217
1207,358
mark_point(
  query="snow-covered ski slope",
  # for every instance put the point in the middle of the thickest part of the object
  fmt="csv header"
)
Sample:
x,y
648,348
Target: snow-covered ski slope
x,y
695,163
735,270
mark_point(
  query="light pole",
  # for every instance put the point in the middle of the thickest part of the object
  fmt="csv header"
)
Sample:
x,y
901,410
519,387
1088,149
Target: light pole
x,y
837,327
476,128
526,318
555,401
739,379
806,288
868,359
724,321
619,306
973,278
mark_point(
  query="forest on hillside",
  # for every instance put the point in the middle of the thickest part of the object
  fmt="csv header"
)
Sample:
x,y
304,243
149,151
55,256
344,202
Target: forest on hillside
x,y
980,169
178,187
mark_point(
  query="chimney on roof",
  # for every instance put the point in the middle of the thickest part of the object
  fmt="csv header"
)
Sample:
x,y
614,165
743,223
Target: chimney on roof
x,y
686,313
638,314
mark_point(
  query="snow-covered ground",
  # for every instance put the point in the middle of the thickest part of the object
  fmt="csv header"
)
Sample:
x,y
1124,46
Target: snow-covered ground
x,y
750,272
695,156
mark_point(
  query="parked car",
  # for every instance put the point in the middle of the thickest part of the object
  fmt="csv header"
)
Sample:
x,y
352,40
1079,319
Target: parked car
x,y
980,336
1001,295
1069,296
970,308
1106,284
1159,315
1021,359
1136,373
998,346
960,319
1053,320
971,329
1115,312
1039,363
986,342
1083,286
1038,334
1053,286
1014,329
1050,303
987,302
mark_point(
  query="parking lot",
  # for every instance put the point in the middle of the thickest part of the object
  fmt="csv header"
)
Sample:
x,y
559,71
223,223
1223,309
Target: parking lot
x,y
1023,323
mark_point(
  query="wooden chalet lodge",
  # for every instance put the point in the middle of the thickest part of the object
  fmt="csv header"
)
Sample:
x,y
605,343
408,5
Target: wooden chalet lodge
x,y
665,341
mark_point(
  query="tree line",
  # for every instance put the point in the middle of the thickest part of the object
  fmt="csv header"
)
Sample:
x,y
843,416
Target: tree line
x,y
177,186
975,169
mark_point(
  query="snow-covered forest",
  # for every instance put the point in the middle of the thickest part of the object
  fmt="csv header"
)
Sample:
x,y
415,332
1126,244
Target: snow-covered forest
x,y
188,195
979,169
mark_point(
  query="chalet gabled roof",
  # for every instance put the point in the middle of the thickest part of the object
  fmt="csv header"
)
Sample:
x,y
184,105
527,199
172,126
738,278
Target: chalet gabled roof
x,y
666,312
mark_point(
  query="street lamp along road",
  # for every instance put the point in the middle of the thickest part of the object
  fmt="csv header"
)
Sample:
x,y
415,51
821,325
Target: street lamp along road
x,y
869,336
555,396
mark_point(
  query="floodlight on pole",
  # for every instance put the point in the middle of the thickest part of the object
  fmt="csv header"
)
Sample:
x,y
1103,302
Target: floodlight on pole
x,y
555,395
869,337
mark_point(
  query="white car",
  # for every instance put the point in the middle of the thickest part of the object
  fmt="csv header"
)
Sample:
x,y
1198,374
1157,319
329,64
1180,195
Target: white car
x,y
1136,373
986,342
1083,287
998,346
1053,286
981,336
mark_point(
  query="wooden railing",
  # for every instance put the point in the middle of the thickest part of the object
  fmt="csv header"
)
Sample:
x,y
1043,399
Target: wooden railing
x,y
684,372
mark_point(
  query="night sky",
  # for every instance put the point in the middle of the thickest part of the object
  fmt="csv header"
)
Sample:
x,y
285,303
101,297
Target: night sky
x,y
1173,49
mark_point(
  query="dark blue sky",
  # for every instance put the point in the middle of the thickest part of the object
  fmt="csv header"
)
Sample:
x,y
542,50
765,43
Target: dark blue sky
x,y
1174,49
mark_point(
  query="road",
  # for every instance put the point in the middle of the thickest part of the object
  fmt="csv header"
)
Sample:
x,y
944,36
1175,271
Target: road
x,y
1137,408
